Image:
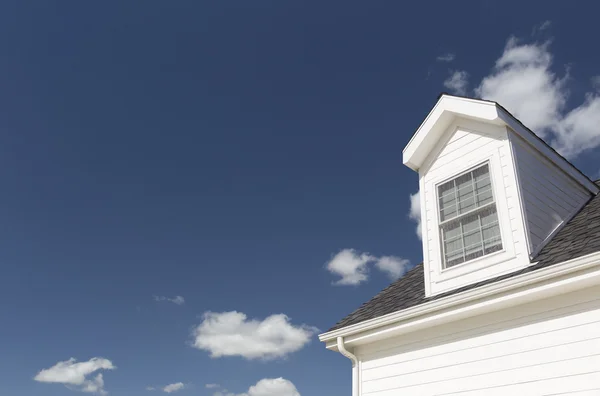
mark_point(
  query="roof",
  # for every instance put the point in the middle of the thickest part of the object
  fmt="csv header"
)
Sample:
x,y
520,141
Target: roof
x,y
579,237
447,107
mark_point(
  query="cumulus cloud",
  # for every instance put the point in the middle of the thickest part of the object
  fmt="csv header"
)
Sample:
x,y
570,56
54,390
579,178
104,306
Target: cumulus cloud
x,y
457,82
174,387
76,376
233,334
393,266
267,387
449,57
579,130
350,266
353,266
523,81
175,300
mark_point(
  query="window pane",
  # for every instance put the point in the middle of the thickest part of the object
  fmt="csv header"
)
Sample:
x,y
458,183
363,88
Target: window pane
x,y
465,193
468,232
491,230
472,236
453,243
483,185
466,198
447,194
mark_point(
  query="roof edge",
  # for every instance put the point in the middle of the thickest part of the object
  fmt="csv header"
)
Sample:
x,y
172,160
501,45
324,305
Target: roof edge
x,y
448,107
387,325
433,126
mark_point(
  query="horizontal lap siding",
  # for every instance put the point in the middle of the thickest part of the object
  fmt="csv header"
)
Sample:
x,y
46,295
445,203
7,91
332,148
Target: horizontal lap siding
x,y
549,196
536,349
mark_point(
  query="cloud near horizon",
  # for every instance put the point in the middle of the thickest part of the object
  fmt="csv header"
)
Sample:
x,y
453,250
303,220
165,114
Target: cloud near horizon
x,y
266,387
171,388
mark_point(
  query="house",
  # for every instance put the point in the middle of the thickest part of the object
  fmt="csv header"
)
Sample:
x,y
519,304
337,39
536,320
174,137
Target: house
x,y
507,299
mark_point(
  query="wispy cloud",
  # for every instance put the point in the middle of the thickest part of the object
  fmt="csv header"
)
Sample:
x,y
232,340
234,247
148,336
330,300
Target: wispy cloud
x,y
76,376
596,82
352,266
175,300
537,29
212,386
266,387
171,388
457,82
233,334
448,57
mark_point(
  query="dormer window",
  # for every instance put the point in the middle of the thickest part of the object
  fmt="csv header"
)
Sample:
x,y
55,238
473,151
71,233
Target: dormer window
x,y
468,217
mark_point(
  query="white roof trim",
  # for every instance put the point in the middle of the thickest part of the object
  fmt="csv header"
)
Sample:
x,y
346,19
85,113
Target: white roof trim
x,y
449,107
557,279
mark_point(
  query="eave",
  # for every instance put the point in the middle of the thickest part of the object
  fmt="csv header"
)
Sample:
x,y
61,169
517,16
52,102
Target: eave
x,y
562,278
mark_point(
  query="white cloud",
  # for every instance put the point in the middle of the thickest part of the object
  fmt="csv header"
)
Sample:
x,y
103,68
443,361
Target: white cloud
x,y
233,334
150,388
267,387
415,212
174,387
212,386
457,82
76,375
95,385
175,300
541,27
273,387
350,266
523,81
579,130
393,266
449,57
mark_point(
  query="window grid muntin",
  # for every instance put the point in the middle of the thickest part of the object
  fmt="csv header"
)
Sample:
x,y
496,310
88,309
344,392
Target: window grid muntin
x,y
484,208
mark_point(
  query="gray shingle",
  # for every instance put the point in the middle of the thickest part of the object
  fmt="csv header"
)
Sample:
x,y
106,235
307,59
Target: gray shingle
x,y
579,237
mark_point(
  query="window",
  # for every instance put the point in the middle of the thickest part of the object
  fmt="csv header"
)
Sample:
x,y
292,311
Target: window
x,y
469,225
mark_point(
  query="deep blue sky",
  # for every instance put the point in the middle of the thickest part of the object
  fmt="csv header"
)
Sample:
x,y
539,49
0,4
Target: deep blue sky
x,y
221,151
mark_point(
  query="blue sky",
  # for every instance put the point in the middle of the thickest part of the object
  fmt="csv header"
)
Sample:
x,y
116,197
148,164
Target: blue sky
x,y
245,156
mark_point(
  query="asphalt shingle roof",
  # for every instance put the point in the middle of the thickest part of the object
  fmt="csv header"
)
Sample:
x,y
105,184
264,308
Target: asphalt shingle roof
x,y
579,237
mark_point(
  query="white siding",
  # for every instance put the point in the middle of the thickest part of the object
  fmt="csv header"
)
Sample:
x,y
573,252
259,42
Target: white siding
x,y
549,347
549,196
469,143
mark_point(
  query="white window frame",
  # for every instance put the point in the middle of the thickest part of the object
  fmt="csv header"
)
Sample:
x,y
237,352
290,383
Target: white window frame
x,y
515,253
487,162
440,273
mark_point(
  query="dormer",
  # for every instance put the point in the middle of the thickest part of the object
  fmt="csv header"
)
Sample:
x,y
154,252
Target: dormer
x,y
492,193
